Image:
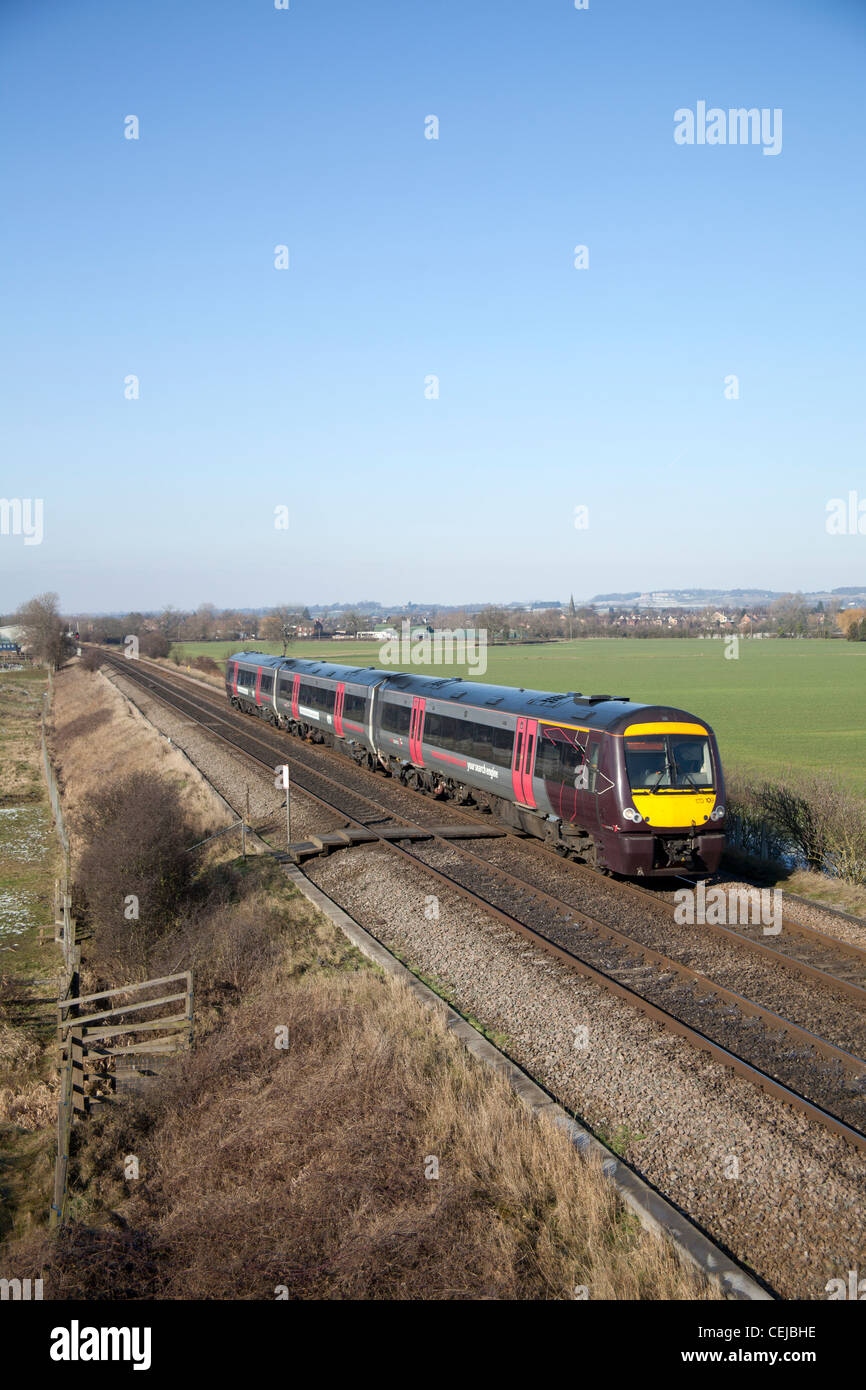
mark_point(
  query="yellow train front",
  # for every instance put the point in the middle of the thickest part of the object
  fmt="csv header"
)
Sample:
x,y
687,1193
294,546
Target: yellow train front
x,y
665,812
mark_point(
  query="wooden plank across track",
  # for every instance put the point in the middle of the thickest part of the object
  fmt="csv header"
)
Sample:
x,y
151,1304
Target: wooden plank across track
x,y
361,835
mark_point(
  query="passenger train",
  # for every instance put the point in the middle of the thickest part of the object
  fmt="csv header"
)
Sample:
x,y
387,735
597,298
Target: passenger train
x,y
632,789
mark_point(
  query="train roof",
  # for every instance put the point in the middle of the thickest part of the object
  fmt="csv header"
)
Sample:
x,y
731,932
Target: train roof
x,y
329,670
612,713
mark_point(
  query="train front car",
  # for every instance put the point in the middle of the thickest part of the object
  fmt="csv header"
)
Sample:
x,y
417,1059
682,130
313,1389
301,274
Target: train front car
x,y
669,795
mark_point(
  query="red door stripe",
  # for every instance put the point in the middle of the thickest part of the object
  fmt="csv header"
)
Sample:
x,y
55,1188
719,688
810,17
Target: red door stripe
x,y
528,755
258,683
517,761
416,726
296,683
338,709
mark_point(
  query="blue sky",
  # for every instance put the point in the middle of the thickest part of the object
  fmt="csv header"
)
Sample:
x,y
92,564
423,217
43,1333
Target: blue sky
x,y
411,257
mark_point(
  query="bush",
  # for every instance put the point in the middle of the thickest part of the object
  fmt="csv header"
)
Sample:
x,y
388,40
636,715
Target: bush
x,y
91,660
205,664
137,836
154,645
808,819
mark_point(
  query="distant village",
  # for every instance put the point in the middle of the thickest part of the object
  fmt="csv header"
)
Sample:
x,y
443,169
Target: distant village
x,y
837,615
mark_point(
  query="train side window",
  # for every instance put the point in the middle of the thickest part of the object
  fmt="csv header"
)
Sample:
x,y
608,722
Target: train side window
x,y
284,688
266,685
396,718
547,756
462,738
432,727
557,758
592,767
480,745
452,733
355,707
503,746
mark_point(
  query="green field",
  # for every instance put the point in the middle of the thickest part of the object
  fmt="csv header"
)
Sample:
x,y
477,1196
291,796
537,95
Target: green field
x,y
780,705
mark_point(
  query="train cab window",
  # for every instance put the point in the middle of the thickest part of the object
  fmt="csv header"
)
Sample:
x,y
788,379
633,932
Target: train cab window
x,y
668,762
396,718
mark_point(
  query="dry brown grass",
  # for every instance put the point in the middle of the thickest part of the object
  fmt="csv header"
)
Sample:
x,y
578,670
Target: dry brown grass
x,y
98,736
187,668
306,1168
27,1100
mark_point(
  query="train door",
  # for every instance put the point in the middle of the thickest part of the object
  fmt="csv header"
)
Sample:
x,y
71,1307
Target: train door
x,y
338,709
296,685
522,761
416,731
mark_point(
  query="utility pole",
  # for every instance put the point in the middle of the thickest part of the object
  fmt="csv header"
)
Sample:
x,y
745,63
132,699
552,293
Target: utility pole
x,y
288,807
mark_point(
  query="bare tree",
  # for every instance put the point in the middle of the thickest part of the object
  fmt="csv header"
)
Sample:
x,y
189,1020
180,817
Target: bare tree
x,y
45,629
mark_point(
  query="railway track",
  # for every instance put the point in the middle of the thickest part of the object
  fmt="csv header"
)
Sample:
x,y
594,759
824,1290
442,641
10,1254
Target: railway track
x,y
821,1079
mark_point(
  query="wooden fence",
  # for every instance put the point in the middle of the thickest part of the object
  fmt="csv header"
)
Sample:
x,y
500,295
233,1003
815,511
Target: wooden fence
x,y
54,792
98,1050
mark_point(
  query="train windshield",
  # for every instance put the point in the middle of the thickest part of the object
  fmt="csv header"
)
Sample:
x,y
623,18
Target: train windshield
x,y
669,762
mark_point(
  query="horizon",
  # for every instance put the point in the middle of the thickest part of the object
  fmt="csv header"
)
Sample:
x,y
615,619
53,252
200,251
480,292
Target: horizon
x,y
474,606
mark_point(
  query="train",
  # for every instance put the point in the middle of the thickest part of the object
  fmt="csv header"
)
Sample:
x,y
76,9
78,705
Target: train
x,y
634,790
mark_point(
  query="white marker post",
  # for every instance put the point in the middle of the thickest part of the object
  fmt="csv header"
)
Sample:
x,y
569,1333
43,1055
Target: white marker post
x,y
282,782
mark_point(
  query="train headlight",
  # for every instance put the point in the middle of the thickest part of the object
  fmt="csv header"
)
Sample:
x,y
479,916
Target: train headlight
x,y
631,815
717,813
